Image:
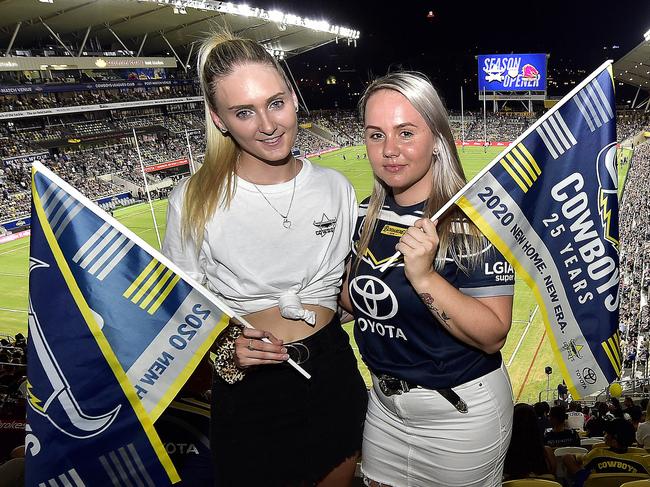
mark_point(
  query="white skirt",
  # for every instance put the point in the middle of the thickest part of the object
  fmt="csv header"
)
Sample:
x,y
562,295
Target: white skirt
x,y
420,439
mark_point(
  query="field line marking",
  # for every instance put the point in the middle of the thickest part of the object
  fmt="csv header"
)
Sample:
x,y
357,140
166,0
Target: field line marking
x,y
530,367
14,310
523,335
13,250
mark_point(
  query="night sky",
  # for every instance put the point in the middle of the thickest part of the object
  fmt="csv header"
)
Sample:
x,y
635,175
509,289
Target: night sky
x,y
578,35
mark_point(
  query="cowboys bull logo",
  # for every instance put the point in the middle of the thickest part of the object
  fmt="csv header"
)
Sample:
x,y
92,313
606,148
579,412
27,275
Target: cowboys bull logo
x,y
51,394
607,172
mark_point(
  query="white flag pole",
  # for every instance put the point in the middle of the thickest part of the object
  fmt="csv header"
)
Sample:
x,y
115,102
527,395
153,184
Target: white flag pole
x,y
146,187
480,174
189,150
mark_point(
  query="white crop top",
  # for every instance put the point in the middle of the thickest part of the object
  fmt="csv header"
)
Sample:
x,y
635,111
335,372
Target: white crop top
x,y
250,260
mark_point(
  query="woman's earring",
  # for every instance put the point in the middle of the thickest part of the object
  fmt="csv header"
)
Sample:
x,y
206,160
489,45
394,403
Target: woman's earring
x,y
223,130
436,152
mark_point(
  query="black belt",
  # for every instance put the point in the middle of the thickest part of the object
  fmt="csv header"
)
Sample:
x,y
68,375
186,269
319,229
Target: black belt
x,y
327,339
392,385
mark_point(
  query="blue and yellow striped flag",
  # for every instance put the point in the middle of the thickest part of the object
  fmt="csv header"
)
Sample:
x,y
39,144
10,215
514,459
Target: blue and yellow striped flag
x,y
115,331
549,203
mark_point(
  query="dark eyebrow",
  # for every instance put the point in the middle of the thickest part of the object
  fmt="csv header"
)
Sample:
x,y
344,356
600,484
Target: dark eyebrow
x,y
400,126
239,107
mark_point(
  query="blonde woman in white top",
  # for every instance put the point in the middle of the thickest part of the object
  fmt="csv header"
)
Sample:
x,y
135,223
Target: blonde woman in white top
x,y
270,234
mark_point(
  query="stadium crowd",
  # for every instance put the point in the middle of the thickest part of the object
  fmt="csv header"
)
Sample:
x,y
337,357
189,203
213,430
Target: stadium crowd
x,y
344,126
11,103
500,127
634,225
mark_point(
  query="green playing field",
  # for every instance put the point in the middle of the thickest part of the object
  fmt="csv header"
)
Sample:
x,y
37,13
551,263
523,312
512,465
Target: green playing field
x,y
526,366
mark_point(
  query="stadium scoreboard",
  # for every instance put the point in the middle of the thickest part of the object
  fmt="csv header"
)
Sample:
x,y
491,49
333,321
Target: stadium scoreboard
x,y
511,72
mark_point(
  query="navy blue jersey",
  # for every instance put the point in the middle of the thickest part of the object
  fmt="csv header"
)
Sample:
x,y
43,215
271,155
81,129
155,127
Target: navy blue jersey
x,y
396,333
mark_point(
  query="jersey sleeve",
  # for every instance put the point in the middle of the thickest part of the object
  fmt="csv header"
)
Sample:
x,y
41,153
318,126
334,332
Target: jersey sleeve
x,y
491,276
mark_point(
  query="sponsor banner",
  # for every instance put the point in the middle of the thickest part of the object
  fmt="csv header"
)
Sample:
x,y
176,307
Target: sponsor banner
x,y
108,61
92,108
165,165
116,134
114,197
14,236
26,157
480,143
25,221
325,151
512,72
102,85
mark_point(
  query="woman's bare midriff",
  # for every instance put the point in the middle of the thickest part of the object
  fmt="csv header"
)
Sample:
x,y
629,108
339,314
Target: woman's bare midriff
x,y
272,321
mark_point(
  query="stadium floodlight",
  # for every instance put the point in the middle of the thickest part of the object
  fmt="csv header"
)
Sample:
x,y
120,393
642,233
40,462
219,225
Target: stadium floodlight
x,y
646,36
283,19
276,16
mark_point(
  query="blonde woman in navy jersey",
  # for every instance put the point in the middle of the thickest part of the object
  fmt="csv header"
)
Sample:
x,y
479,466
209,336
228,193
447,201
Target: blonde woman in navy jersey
x,y
270,234
429,328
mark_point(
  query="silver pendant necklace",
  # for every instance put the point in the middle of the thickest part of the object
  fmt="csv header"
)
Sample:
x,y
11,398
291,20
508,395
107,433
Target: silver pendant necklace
x,y
286,223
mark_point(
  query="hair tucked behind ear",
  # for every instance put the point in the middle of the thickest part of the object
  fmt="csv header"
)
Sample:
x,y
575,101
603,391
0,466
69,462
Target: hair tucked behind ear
x,y
214,183
459,237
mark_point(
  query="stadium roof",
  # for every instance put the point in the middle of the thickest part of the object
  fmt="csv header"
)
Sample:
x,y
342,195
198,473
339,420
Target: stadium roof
x,y
123,24
634,68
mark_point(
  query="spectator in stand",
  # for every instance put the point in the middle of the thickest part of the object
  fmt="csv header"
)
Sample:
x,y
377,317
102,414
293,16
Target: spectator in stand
x,y
615,409
541,411
619,436
575,418
628,402
586,414
596,424
634,414
527,455
560,435
643,431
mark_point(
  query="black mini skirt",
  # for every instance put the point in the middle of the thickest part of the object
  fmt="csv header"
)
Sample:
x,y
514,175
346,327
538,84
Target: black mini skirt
x,y
277,428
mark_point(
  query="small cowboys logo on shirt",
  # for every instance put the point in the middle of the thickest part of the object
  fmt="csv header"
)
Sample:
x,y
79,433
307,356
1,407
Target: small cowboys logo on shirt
x,y
325,225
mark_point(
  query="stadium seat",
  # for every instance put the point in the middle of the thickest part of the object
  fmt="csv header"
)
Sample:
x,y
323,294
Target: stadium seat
x,y
531,483
613,479
637,451
591,441
566,450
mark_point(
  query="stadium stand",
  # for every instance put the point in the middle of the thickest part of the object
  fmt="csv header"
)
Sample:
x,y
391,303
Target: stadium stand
x,y
16,103
635,272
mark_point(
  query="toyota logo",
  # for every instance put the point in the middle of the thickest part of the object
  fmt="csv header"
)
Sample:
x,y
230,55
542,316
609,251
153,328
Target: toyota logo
x,y
373,297
589,375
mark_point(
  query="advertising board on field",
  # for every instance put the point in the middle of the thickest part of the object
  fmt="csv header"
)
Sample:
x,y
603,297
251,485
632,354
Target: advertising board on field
x,y
512,72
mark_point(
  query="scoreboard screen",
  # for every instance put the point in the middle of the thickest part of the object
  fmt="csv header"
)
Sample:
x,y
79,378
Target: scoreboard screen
x,y
512,72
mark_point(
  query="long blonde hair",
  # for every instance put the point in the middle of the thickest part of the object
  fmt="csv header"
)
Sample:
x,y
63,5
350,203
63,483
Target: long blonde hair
x,y
214,184
459,237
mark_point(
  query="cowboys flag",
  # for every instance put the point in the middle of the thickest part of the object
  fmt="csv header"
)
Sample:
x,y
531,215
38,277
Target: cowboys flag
x,y
549,203
115,331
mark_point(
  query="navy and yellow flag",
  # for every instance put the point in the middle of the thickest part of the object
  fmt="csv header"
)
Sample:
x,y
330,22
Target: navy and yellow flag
x,y
549,203
115,331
